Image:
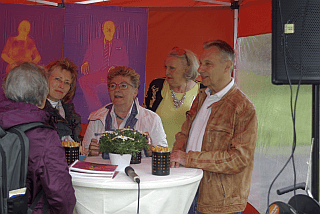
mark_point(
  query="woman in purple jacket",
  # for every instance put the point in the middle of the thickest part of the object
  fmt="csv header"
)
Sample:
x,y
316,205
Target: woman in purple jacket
x,y
25,90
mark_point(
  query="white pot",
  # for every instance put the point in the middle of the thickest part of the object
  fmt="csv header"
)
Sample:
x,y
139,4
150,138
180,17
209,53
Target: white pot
x,y
121,160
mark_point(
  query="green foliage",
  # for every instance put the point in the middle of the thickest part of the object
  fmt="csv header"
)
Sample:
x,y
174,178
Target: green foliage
x,y
123,141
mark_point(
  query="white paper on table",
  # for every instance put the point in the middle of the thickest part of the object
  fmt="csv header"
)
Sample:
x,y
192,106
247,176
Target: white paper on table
x,y
74,169
91,176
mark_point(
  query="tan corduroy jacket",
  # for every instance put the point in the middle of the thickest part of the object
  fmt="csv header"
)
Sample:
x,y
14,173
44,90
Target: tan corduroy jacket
x,y
227,153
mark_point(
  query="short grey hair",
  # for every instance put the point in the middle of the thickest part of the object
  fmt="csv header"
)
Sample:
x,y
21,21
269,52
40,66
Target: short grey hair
x,y
26,83
226,50
188,59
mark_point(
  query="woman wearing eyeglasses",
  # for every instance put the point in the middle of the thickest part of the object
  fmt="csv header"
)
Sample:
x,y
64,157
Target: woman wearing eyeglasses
x,y
62,86
123,112
172,97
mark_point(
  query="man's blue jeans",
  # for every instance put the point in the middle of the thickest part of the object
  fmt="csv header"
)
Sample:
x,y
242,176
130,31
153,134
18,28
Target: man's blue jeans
x,y
193,208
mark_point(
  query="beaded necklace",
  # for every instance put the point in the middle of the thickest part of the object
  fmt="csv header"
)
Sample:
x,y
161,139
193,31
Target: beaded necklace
x,y
177,103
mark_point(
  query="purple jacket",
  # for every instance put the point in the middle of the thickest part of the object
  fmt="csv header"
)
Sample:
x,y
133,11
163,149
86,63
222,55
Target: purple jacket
x,y
47,166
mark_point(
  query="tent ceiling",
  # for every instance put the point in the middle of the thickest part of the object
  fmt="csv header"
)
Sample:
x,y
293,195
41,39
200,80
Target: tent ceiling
x,y
142,3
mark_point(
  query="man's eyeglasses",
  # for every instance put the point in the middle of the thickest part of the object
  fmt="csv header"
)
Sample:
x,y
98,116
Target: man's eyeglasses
x,y
181,52
122,86
59,80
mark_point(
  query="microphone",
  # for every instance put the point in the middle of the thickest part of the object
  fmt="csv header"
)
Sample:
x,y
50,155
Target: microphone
x,y
130,172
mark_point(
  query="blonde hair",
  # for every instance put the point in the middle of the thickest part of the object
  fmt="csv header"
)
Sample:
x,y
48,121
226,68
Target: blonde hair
x,y
188,59
66,64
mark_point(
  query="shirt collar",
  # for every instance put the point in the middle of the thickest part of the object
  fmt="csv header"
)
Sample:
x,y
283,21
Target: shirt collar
x,y
221,93
113,114
53,103
106,41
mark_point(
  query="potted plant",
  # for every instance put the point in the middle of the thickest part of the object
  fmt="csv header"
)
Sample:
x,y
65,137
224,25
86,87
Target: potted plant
x,y
123,141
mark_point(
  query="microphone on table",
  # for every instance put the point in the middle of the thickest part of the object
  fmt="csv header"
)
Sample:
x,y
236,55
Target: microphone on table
x,y
130,172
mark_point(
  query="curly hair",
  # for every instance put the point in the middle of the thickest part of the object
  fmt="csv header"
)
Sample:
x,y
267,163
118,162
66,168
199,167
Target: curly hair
x,y
65,64
125,72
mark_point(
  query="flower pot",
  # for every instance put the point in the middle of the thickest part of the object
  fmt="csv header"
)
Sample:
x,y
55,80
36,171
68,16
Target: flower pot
x,y
136,159
121,160
105,156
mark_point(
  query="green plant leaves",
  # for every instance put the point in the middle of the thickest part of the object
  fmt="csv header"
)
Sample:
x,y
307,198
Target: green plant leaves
x,y
123,141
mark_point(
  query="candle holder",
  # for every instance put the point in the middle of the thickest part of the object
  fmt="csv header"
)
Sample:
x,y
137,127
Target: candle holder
x,y
72,154
160,163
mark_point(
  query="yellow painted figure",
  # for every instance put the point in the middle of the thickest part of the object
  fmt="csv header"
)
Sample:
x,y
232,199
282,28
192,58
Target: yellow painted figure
x,y
20,48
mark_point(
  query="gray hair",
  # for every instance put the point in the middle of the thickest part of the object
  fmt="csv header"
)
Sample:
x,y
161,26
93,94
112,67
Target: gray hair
x,y
26,83
226,50
188,59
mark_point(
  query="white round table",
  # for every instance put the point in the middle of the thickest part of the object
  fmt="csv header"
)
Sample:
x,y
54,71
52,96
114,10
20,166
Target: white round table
x,y
172,194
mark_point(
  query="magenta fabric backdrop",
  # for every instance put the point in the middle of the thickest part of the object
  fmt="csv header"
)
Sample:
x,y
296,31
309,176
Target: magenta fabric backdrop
x,y
46,29
83,28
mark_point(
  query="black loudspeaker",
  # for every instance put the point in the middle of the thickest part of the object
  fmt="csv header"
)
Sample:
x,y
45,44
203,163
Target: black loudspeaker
x,y
296,41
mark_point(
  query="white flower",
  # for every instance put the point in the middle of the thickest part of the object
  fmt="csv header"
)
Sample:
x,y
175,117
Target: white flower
x,y
123,137
109,132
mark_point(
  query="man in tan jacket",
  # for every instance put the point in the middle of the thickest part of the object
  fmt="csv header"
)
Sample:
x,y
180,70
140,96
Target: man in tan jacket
x,y
219,135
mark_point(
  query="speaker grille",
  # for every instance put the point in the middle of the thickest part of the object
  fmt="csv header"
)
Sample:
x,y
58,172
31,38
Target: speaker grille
x,y
301,49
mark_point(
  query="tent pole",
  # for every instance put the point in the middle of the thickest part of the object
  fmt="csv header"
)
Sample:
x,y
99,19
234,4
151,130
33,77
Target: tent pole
x,y
235,37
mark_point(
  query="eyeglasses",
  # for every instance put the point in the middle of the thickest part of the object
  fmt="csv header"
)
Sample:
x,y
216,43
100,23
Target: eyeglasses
x,y
59,80
181,52
122,86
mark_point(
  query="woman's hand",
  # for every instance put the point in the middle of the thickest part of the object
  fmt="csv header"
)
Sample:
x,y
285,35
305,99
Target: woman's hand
x,y
83,150
94,147
149,150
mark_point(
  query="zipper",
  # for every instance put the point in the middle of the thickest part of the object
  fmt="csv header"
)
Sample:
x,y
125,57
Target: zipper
x,y
224,193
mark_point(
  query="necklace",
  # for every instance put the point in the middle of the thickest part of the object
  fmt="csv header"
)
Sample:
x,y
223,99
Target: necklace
x,y
121,118
177,103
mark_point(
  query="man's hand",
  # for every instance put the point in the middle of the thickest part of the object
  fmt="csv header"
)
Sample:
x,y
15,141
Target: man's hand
x,y
85,68
176,158
94,147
